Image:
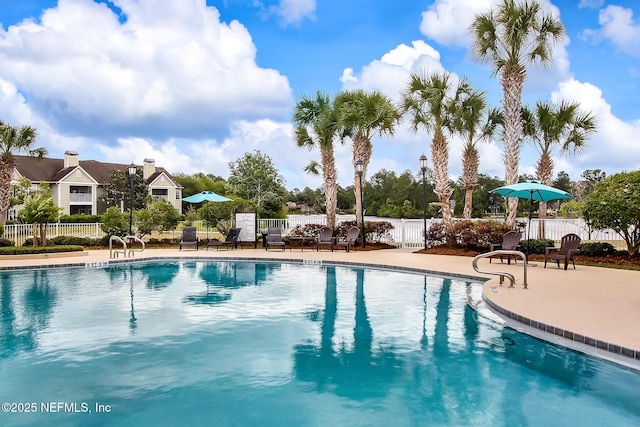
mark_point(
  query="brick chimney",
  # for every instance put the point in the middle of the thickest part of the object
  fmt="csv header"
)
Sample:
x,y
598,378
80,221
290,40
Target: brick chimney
x,y
148,168
71,159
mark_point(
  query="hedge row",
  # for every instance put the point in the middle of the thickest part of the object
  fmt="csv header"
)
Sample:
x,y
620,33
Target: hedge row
x,y
480,235
25,250
376,230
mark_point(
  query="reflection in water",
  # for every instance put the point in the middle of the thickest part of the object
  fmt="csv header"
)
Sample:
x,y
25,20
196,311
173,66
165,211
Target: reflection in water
x,y
132,320
39,300
358,373
159,276
424,341
221,278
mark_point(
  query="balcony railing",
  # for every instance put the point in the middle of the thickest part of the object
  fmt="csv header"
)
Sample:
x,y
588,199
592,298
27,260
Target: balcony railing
x,y
80,198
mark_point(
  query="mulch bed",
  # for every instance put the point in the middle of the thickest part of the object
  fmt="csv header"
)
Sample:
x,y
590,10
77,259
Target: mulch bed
x,y
619,260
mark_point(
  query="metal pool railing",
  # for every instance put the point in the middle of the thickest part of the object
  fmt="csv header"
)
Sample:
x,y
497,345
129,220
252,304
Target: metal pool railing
x,y
502,274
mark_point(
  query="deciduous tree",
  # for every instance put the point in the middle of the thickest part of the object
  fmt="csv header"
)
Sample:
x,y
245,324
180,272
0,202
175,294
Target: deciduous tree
x,y
615,203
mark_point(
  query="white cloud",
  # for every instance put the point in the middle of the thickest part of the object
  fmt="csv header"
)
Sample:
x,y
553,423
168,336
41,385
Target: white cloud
x,y
448,21
292,11
592,4
191,156
390,73
618,26
615,146
162,65
13,104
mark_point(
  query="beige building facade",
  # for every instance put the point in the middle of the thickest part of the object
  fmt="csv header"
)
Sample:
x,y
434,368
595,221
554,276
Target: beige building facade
x,y
78,185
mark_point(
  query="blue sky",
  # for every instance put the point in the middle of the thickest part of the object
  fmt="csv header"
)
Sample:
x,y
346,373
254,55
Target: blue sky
x,y
195,85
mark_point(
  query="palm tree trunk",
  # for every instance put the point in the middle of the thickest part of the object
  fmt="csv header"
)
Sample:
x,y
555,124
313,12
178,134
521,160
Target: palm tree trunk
x,y
470,165
6,172
330,186
361,151
440,155
544,171
512,80
468,201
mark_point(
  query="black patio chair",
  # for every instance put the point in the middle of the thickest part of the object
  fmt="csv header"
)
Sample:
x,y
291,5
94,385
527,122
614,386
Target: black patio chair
x,y
230,242
189,237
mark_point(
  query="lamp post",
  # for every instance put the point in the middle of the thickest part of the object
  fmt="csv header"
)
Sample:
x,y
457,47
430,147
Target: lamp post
x,y
359,171
132,173
423,168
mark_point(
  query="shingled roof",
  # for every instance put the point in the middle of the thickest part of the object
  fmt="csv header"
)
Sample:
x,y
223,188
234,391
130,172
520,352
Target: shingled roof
x,y
53,170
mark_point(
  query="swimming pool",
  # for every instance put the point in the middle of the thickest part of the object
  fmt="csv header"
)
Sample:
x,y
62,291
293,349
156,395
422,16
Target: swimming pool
x,y
242,344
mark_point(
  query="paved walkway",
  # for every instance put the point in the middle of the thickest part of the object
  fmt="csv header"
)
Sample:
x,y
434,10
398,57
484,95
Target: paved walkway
x,y
598,308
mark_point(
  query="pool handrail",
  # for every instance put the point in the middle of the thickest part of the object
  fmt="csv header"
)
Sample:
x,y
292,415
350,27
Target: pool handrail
x,y
113,253
502,274
132,251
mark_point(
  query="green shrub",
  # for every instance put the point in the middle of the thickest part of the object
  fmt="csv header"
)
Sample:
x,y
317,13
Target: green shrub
x,y
79,241
25,250
307,230
535,246
597,249
6,242
435,233
81,219
29,242
165,241
477,235
375,231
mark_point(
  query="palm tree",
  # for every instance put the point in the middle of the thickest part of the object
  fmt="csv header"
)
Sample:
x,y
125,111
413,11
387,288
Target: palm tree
x,y
12,142
316,126
362,115
552,126
511,37
474,123
431,103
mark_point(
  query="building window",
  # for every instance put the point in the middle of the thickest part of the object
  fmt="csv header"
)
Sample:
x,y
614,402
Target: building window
x,y
160,193
78,173
79,210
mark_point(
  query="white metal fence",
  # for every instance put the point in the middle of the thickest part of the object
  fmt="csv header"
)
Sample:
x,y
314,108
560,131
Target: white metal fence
x,y
409,232
406,232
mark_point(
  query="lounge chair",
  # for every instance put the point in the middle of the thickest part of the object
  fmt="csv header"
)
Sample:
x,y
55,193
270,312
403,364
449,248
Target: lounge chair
x,y
230,242
510,242
274,238
325,238
350,241
569,246
189,237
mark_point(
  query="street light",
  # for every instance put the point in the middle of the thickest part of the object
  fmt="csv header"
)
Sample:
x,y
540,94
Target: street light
x,y
359,171
132,173
423,168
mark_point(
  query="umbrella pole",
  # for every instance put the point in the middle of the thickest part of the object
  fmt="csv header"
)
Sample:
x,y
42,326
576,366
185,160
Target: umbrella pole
x,y
529,226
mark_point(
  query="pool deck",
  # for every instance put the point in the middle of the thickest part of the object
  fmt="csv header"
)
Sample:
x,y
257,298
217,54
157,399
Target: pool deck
x,y
595,310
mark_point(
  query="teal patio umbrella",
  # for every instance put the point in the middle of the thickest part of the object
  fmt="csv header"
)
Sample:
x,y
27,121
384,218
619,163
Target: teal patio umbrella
x,y
532,190
206,196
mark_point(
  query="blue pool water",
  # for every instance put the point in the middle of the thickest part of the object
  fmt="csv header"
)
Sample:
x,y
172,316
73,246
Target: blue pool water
x,y
200,343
